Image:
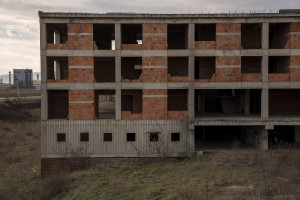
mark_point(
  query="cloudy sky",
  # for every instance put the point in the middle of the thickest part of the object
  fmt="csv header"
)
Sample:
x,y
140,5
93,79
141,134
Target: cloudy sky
x,y
19,25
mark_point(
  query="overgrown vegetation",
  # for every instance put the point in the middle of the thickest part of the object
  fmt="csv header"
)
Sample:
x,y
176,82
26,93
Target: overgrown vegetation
x,y
234,174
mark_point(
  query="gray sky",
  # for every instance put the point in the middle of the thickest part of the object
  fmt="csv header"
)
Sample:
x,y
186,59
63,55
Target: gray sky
x,y
19,25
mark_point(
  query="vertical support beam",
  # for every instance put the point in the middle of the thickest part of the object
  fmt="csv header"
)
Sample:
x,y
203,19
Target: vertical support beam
x,y
118,69
265,48
247,102
265,68
56,37
265,103
43,69
191,95
118,88
118,104
265,36
118,36
44,102
263,139
43,36
57,70
191,37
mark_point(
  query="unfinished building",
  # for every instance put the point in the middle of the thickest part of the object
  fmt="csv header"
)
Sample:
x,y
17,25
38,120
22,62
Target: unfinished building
x,y
115,84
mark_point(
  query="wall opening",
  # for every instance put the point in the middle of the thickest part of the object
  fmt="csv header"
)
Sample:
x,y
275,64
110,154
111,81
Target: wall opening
x,y
107,137
205,67
84,137
132,100
131,33
284,102
58,104
251,36
178,66
130,137
177,100
278,35
131,68
177,36
104,69
105,104
284,137
227,102
251,64
220,138
279,64
104,36
57,68
205,32
57,33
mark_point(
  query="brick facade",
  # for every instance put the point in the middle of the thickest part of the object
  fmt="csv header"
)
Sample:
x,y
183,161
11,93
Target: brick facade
x,y
81,105
228,36
232,73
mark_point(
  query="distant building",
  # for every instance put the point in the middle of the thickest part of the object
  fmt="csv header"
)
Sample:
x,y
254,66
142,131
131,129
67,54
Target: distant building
x,y
24,77
36,84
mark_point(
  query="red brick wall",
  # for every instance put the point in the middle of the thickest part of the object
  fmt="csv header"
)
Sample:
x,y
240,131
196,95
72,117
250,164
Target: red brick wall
x,y
205,44
178,114
157,74
232,39
279,77
295,38
230,74
155,107
81,75
132,47
81,111
295,68
152,41
80,41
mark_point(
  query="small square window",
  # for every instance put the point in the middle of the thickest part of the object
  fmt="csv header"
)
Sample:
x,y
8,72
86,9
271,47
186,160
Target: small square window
x,y
61,137
153,137
84,137
107,136
130,137
175,137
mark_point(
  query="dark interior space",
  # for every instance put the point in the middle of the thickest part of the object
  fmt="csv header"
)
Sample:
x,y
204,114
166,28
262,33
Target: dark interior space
x,y
104,69
177,100
132,100
251,36
105,104
282,136
278,35
178,66
58,104
284,102
279,64
255,101
57,68
131,33
205,32
205,67
177,36
251,64
131,67
104,35
62,29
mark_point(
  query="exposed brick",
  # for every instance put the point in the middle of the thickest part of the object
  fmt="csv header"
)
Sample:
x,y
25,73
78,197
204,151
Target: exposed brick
x,y
205,45
228,42
279,77
251,77
157,74
132,47
178,114
155,28
155,107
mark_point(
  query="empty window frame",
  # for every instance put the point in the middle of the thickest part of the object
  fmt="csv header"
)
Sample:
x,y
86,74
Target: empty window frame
x,y
279,64
279,35
251,64
177,36
175,137
104,36
107,137
178,66
205,32
57,68
84,137
58,104
105,104
132,100
251,36
60,137
205,67
131,68
131,33
177,100
104,69
130,137
154,137
57,33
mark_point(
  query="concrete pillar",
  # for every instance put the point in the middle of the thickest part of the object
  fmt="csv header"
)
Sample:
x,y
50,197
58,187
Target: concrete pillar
x,y
56,37
247,102
57,70
118,69
265,68
44,102
264,103
43,69
118,88
263,139
191,95
265,36
191,37
43,36
118,36
118,104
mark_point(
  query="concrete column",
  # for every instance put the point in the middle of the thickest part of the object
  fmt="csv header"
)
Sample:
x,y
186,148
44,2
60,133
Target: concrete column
x,y
191,69
264,103
118,87
191,37
263,139
44,102
265,68
118,69
191,95
118,104
57,70
43,69
247,102
56,37
43,36
118,36
265,36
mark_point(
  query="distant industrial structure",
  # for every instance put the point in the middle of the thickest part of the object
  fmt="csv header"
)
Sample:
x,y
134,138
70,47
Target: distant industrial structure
x,y
23,77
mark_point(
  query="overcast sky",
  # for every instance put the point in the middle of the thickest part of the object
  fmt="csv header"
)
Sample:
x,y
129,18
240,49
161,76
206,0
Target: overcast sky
x,y
19,24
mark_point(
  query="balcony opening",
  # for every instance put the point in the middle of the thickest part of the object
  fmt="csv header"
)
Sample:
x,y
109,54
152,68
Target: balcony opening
x,y
279,36
279,68
251,64
178,67
177,100
205,68
132,100
227,102
104,69
131,68
57,33
284,102
177,36
284,137
104,36
58,104
131,33
57,68
105,104
251,36
220,138
205,32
